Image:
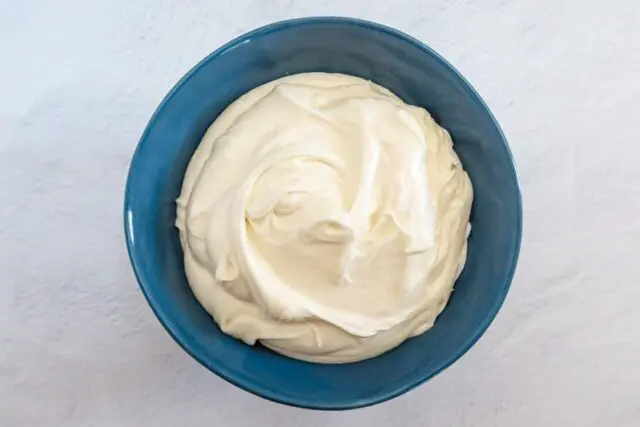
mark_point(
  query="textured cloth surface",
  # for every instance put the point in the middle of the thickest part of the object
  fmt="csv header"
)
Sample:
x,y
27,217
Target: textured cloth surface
x,y
79,345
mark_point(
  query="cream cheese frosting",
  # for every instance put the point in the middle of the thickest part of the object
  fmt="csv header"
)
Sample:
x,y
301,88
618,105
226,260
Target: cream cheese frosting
x,y
324,217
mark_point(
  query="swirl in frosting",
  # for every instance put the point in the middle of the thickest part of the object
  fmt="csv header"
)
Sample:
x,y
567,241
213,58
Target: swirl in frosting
x,y
324,217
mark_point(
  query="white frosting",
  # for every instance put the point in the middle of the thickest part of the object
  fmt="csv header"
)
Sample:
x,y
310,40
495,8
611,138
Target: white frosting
x,y
325,217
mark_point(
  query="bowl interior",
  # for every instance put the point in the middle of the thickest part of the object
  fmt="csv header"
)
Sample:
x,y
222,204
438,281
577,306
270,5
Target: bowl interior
x,y
414,73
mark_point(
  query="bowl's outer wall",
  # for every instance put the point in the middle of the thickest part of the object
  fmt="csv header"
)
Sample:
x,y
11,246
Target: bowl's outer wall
x,y
419,77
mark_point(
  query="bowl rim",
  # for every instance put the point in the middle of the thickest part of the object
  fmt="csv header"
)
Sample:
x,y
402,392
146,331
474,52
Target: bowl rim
x,y
221,370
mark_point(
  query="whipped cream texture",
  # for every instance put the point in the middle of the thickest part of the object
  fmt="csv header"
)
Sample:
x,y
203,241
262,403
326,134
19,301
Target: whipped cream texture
x,y
324,217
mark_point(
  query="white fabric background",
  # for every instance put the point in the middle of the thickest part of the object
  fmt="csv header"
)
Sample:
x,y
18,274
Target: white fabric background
x,y
80,79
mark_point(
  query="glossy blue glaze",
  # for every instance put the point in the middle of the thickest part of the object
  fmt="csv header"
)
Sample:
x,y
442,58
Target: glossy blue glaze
x,y
419,76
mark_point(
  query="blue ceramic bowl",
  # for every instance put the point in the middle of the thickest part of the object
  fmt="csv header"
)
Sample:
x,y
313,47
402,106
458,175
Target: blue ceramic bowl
x,y
415,73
